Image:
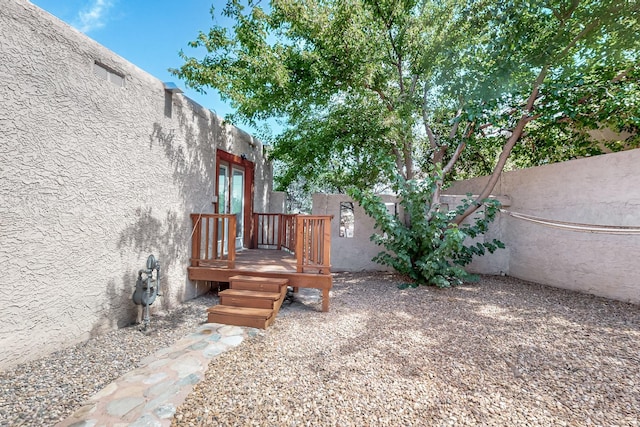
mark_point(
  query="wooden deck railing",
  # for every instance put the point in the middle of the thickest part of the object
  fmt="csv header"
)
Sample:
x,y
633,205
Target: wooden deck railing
x,y
313,243
288,232
266,234
306,236
213,239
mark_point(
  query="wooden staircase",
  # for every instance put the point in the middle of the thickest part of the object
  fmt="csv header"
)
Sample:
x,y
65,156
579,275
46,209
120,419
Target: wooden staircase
x,y
249,301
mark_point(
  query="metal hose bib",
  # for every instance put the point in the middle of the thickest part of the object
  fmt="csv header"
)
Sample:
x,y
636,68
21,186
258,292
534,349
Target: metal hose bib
x,y
147,288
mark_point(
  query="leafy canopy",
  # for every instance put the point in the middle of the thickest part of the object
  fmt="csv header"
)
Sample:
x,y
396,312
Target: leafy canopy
x,y
398,92
400,84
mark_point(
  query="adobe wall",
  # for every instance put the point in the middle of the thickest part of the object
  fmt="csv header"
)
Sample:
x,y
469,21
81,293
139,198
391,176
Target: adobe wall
x,y
94,177
603,190
350,253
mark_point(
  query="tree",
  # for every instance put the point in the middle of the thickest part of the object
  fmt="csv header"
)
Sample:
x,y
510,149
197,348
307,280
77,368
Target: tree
x,y
395,91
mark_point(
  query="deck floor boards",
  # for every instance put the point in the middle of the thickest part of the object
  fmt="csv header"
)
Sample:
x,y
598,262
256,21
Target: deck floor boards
x,y
259,260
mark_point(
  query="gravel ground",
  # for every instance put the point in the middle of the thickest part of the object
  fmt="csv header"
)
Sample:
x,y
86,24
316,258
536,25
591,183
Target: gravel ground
x,y
48,390
501,352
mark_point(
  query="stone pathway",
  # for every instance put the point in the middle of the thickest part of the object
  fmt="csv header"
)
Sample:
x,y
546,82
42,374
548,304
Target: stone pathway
x,y
150,394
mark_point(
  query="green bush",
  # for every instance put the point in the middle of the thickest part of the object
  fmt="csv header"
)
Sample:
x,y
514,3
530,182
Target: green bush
x,y
425,244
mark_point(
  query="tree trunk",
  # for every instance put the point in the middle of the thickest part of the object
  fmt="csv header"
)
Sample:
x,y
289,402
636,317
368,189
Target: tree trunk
x,y
497,171
508,146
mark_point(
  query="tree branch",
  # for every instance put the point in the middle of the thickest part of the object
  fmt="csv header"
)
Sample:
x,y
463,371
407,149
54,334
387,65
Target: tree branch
x,y
399,161
414,82
456,154
497,171
398,62
585,31
456,124
536,88
508,146
382,96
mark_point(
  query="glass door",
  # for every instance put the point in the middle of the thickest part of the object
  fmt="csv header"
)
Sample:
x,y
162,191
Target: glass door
x,y
235,193
237,203
231,185
223,204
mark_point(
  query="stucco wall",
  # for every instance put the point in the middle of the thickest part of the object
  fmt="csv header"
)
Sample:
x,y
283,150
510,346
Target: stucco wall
x,y
350,253
277,202
93,178
603,190
356,253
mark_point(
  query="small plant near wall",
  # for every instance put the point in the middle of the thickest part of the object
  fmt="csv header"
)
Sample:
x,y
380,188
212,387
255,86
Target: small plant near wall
x,y
424,243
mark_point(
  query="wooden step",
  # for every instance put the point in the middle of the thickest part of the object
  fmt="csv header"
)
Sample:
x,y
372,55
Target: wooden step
x,y
250,283
241,316
251,299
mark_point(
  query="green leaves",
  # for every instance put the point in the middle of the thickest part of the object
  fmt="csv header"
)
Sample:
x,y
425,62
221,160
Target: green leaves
x,y
400,84
408,94
422,243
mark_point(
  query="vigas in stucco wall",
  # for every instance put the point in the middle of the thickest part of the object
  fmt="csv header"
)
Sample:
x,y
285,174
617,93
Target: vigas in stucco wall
x,y
99,167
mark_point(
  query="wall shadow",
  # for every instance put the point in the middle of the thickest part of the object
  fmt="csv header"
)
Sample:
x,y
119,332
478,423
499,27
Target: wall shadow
x,y
117,309
188,140
150,235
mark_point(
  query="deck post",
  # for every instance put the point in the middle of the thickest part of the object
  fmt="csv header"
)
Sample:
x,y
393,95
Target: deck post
x,y
195,240
325,300
255,229
279,232
207,229
313,240
300,247
231,242
326,248
223,226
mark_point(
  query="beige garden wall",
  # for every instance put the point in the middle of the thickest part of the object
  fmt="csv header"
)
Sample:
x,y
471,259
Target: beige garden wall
x,y
352,253
355,252
603,190
94,176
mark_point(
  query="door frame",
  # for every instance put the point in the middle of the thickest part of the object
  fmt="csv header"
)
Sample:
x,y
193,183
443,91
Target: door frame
x,y
249,168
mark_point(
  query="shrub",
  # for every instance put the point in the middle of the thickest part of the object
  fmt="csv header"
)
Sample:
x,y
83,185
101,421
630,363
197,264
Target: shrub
x,y
424,243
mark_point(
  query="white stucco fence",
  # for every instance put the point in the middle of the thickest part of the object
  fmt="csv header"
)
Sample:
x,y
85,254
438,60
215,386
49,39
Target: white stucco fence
x,y
99,167
601,190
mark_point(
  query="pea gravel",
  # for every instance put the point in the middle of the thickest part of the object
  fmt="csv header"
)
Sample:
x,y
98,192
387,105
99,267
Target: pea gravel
x,y
498,353
48,390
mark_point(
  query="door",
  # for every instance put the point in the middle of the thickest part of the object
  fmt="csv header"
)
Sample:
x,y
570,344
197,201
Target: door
x,y
223,203
231,199
237,202
235,194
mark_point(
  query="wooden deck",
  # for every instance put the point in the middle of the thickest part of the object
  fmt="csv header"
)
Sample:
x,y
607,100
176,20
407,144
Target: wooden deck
x,y
260,260
270,263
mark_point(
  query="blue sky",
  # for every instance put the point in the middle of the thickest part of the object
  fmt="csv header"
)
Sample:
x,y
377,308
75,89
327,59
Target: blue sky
x,y
147,33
